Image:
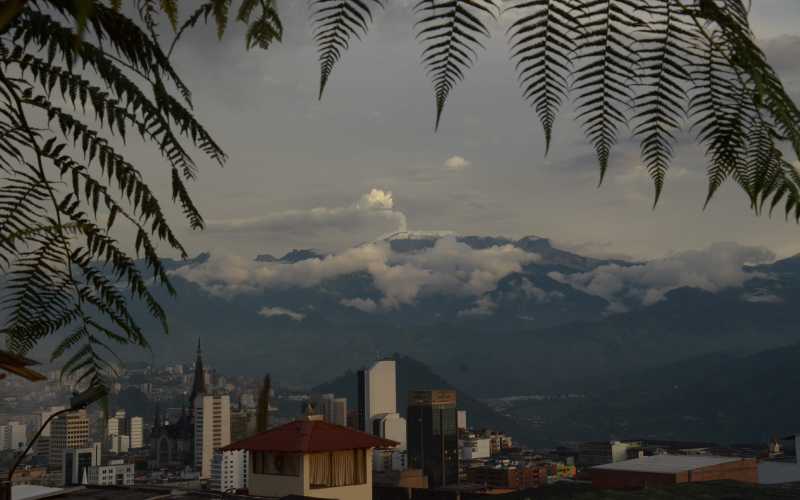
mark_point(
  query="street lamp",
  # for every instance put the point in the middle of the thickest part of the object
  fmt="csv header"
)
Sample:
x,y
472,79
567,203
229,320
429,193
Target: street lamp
x,y
78,401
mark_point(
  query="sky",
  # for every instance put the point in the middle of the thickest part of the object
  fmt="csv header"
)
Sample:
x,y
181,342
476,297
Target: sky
x,y
365,161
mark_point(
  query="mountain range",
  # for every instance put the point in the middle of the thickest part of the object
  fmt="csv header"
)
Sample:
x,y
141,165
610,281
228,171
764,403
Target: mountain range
x,y
496,316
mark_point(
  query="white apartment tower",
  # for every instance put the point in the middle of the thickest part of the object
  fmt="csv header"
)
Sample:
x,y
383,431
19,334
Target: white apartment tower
x,y
212,429
377,392
137,432
229,471
13,436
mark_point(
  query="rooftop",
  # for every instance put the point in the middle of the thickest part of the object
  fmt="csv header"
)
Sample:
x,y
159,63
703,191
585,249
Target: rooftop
x,y
310,436
667,464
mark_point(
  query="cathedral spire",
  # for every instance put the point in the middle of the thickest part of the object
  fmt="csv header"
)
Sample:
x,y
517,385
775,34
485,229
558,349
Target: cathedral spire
x,y
199,383
157,417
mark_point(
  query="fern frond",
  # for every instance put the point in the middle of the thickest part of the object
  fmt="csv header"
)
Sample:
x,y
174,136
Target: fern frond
x,y
605,71
336,23
542,45
450,31
664,56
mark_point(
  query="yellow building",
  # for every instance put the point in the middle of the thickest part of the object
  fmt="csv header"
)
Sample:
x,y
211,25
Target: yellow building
x,y
311,458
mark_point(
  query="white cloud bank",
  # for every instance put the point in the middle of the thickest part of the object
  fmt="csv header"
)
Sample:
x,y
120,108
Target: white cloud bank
x,y
449,266
270,312
717,267
456,164
374,212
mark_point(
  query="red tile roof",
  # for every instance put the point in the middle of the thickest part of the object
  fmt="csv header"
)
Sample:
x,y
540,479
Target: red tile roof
x,y
310,436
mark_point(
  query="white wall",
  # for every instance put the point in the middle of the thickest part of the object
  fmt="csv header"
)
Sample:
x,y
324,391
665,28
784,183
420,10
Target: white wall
x,y
381,388
229,470
475,448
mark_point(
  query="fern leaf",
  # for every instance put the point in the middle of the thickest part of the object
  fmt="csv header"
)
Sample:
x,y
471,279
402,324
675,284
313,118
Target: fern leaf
x,y
450,31
542,45
336,23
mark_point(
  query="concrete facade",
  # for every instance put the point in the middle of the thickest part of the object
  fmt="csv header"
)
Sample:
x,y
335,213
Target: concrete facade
x,y
212,429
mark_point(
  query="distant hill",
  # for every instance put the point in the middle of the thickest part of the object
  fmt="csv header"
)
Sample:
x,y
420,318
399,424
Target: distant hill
x,y
413,375
719,397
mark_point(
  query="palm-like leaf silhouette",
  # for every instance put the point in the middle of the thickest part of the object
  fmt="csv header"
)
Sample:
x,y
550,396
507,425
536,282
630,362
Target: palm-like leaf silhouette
x,y
66,189
543,44
336,23
451,31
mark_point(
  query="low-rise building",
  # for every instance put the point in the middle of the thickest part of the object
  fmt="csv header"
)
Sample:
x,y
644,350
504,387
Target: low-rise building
x,y
665,470
475,448
511,476
606,452
116,473
311,458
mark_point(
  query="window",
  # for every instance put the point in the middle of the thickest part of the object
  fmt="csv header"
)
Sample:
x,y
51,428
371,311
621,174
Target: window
x,y
280,464
338,468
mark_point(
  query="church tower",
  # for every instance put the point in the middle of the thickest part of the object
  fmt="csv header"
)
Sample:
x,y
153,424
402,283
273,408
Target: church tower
x,y
199,383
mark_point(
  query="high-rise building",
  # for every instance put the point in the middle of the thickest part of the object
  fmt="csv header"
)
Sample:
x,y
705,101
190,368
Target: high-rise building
x,y
229,471
243,424
339,413
377,392
331,408
118,424
433,435
68,431
44,415
212,429
13,436
390,426
119,443
462,420
137,432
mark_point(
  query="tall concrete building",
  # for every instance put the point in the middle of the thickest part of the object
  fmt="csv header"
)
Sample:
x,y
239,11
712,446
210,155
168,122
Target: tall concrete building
x,y
13,436
433,435
47,414
137,432
331,408
68,431
339,412
118,424
377,392
212,429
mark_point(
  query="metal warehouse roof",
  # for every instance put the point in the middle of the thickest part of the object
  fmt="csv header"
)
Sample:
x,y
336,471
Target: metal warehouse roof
x,y
667,464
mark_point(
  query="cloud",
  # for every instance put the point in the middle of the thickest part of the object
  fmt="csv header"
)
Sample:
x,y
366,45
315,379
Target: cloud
x,y
532,291
270,312
456,164
447,267
717,267
373,213
762,296
484,306
364,305
377,199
